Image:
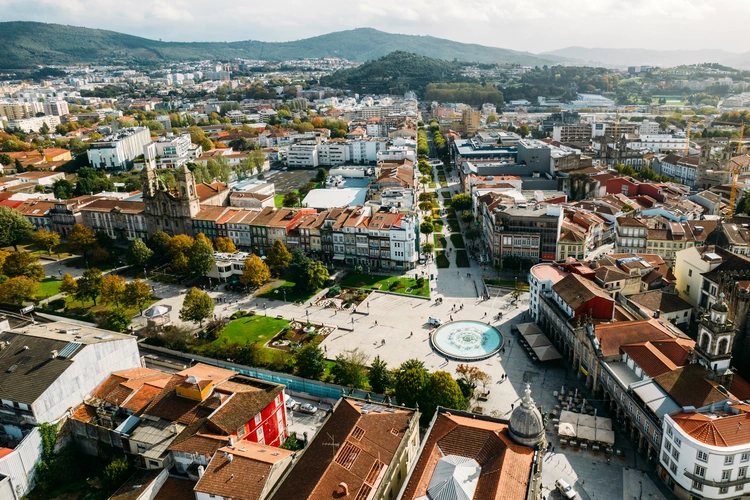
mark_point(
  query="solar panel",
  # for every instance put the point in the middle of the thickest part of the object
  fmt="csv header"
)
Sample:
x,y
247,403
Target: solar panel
x,y
69,350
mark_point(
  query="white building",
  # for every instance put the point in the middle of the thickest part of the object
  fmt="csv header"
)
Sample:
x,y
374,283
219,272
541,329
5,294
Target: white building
x,y
56,108
648,128
118,150
660,143
706,451
403,238
690,264
173,151
302,155
541,279
34,124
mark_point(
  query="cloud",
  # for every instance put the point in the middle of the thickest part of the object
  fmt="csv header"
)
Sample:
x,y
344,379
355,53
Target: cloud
x,y
534,25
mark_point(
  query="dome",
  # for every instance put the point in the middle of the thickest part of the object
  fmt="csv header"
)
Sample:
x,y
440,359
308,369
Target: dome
x,y
526,425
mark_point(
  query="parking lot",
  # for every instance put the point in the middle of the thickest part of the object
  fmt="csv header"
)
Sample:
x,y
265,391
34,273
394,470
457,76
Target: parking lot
x,y
285,181
302,423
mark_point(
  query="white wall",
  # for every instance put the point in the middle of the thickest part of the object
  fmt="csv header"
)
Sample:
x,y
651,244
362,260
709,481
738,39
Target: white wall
x,y
20,465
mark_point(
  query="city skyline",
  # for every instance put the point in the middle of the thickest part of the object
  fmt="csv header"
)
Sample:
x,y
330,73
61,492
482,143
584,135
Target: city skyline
x,y
532,26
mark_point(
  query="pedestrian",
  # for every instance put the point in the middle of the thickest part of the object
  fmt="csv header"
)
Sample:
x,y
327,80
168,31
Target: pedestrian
x,y
485,315
325,348
376,322
451,317
462,307
553,449
511,406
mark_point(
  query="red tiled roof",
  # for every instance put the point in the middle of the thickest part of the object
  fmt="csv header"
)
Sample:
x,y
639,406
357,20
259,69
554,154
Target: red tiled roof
x,y
727,431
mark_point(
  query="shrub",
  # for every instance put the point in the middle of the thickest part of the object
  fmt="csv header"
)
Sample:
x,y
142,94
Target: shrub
x,y
420,282
334,291
360,283
250,313
396,285
288,335
361,296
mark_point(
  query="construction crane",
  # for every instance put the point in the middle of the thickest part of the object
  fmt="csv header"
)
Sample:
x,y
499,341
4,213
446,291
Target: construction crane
x,y
735,172
687,142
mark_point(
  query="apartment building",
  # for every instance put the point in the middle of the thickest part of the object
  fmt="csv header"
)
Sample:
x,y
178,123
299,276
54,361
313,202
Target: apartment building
x,y
527,231
18,110
34,124
118,150
55,108
121,220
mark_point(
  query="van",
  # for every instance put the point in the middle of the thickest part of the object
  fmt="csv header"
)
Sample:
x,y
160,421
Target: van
x,y
434,322
565,489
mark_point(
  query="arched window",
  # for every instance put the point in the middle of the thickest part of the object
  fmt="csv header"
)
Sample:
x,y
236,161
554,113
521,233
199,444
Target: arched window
x,y
723,347
183,191
164,208
191,190
704,341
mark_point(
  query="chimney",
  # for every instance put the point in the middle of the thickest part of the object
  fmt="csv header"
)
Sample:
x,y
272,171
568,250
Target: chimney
x,y
657,313
201,470
343,489
173,428
52,354
231,441
230,457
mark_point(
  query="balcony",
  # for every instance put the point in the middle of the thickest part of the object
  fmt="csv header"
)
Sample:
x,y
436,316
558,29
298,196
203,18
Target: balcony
x,y
715,484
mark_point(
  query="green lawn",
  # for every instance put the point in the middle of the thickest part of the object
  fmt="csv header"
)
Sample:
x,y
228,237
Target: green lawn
x,y
292,294
48,287
252,328
439,240
431,185
278,201
441,260
446,194
79,308
506,283
457,240
437,226
384,283
462,259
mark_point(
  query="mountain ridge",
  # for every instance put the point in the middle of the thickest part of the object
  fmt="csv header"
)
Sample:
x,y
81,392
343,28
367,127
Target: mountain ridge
x,y
27,44
650,57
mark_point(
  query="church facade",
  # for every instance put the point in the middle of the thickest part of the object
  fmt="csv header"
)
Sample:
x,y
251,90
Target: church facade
x,y
170,210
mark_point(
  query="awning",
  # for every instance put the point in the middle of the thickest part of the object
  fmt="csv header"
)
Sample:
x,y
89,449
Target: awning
x,y
605,436
587,420
547,353
566,430
339,257
604,424
568,417
656,399
585,432
527,329
538,340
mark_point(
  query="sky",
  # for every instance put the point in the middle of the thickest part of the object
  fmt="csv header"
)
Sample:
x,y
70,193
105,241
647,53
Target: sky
x,y
531,25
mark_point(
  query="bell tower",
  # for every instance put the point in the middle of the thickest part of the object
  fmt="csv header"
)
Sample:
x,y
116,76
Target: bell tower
x,y
189,201
715,340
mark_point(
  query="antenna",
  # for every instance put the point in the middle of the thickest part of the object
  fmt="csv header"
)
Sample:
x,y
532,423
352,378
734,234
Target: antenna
x,y
333,444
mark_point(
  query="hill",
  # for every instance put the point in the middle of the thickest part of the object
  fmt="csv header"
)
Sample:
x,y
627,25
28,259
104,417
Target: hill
x,y
28,44
396,73
621,58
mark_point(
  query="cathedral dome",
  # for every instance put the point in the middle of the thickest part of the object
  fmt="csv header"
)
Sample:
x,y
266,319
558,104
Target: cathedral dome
x,y
526,425
720,305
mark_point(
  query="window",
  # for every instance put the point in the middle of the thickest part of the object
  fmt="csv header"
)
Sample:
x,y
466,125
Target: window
x,y
667,446
741,472
739,487
665,457
700,471
257,419
723,489
676,454
687,289
673,468
677,441
702,456
690,272
645,427
729,460
725,475
744,457
669,430
697,486
656,435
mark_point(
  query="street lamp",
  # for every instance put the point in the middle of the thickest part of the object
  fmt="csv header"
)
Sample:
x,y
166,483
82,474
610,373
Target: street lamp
x,y
284,294
145,274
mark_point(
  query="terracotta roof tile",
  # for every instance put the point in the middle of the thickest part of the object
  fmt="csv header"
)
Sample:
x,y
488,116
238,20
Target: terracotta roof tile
x,y
726,431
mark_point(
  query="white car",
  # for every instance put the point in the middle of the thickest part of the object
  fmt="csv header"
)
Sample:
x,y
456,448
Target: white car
x,y
565,489
291,403
308,408
421,260
434,322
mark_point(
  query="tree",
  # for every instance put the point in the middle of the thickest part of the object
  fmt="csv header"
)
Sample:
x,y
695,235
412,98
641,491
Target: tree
x,y
46,240
5,159
257,159
136,294
17,290
198,306
100,254
425,206
219,168
321,175
256,271
313,277
291,199
491,119
200,258
461,202
225,244
310,361
351,368
409,382
68,285
81,239
63,189
138,253
160,243
249,354
14,227
428,248
426,228
89,285
278,257
116,320
116,472
441,390
202,237
380,377
113,289
23,264
523,130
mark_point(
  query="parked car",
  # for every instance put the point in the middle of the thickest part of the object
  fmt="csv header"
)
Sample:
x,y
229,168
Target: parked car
x,y
290,403
434,322
308,408
565,489
421,260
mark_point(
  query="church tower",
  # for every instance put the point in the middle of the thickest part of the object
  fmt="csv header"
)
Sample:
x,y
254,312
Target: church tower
x,y
170,210
189,201
715,339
